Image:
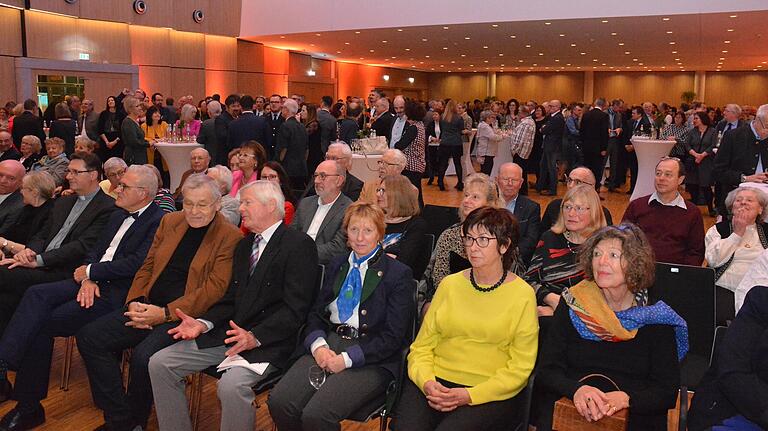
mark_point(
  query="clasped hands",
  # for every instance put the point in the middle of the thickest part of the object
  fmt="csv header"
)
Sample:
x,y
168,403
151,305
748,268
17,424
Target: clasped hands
x,y
24,258
191,328
594,404
445,399
329,360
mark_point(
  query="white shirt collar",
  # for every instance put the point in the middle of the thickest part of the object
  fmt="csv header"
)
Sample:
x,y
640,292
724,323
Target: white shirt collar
x,y
320,201
676,202
266,235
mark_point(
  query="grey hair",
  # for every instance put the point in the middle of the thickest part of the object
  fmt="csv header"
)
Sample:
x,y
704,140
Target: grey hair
x,y
384,101
42,181
197,181
762,112
265,191
485,114
37,146
147,179
734,107
214,109
399,156
223,177
600,102
114,163
291,106
343,147
762,198
188,111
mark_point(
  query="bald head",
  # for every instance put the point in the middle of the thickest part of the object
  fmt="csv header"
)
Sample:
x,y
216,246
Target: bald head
x,y
580,175
6,141
199,159
11,174
510,180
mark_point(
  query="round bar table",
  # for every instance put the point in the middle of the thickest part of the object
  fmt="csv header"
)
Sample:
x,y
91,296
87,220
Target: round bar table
x,y
176,154
649,152
365,167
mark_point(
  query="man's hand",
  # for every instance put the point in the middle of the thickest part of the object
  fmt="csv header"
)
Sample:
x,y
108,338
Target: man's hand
x,y
80,274
243,340
760,177
25,259
144,316
189,328
88,290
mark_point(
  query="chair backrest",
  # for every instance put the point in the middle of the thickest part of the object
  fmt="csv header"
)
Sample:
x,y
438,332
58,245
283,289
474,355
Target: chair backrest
x,y
440,218
320,276
718,341
431,241
690,291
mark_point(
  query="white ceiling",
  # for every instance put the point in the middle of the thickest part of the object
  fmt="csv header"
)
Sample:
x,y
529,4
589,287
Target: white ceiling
x,y
658,43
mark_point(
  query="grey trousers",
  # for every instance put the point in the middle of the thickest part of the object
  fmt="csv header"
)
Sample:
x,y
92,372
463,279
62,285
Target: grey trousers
x,y
167,369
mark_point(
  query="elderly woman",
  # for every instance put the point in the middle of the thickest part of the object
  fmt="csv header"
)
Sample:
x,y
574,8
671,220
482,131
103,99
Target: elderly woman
x,y
64,127
356,332
30,151
732,247
478,342
187,122
37,193
274,172
700,160
251,158
55,162
608,349
230,205
404,238
553,266
487,141
163,197
132,134
84,144
114,169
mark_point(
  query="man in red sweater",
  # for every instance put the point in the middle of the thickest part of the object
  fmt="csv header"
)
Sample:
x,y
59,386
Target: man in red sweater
x,y
673,225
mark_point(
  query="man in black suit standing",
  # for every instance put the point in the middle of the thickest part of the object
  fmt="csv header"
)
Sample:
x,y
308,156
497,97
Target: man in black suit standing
x,y
291,146
221,124
526,211
248,127
256,321
552,142
275,120
52,254
28,123
637,124
731,119
98,287
383,119
615,149
7,150
327,123
594,136
11,201
743,155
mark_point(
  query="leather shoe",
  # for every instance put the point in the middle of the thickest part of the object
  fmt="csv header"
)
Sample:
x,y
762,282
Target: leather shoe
x,y
15,420
6,389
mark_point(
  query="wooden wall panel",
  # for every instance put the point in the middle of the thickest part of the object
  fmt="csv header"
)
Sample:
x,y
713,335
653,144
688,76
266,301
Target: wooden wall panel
x,y
276,61
104,41
359,79
155,79
299,64
220,53
42,42
224,17
8,83
567,87
17,3
323,68
459,86
638,87
744,88
312,91
187,49
150,45
58,6
250,83
223,82
187,82
250,56
107,10
160,13
10,31
182,14
275,84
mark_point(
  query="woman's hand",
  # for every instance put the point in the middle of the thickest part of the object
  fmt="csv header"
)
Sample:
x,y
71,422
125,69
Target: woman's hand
x,y
545,310
444,399
741,219
617,401
335,364
591,403
552,299
322,354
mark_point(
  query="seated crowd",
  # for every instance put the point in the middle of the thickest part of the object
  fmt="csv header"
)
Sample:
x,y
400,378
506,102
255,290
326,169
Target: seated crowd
x,y
271,259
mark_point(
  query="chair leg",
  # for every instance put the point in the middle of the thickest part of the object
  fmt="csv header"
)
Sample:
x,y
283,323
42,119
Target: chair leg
x,y
196,397
383,421
66,367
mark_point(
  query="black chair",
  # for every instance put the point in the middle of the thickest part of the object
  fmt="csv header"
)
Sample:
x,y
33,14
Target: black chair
x,y
690,291
440,218
525,398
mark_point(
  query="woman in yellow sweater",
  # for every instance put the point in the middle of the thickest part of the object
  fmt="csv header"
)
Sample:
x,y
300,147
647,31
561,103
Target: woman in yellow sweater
x,y
478,342
155,129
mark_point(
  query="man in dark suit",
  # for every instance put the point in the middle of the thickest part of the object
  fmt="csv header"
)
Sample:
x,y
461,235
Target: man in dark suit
x,y
207,137
11,201
7,150
594,136
291,146
743,155
247,127
615,149
382,120
731,119
321,217
88,121
28,123
552,143
275,120
257,319
221,124
327,123
526,211
98,287
52,254
637,124
341,154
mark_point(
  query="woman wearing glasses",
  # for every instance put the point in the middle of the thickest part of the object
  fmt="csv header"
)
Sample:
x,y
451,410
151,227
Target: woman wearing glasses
x,y
274,172
55,162
251,158
577,177
478,342
359,326
554,267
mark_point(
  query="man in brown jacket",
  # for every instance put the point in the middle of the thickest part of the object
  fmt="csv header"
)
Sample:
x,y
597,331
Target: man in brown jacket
x,y
188,267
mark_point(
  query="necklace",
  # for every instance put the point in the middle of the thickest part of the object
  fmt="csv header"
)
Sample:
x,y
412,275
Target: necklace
x,y
567,235
485,289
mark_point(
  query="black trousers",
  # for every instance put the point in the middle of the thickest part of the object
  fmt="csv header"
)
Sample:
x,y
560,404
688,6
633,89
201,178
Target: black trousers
x,y
596,164
15,282
433,162
100,344
615,155
697,191
445,153
415,179
631,164
487,166
523,163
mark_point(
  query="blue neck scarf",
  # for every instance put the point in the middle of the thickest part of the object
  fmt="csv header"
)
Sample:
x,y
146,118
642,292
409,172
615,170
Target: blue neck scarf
x,y
352,288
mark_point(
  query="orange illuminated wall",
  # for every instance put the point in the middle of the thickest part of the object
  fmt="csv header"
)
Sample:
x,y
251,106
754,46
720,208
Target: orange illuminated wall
x,y
275,71
359,79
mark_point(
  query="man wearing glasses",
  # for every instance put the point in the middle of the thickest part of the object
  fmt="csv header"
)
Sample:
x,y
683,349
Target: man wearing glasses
x,y
98,287
341,154
392,162
321,216
577,177
527,212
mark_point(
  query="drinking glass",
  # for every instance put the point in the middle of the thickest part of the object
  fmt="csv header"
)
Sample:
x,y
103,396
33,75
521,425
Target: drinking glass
x,y
316,376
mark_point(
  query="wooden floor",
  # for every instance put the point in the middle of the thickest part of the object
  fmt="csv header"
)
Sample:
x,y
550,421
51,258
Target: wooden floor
x,y
73,410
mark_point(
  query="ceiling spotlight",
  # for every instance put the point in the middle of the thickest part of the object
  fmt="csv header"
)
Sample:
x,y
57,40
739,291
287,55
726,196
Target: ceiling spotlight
x,y
445,47
626,52
604,21
733,16
665,19
357,32
541,53
411,80
370,50
512,36
730,29
318,34
573,44
424,40
726,41
547,23
501,55
614,33
527,46
725,51
621,43
669,31
494,25
562,35
672,43
445,28
399,29
583,53
463,55
407,49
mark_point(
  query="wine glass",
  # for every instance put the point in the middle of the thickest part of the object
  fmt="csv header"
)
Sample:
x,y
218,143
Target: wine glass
x,y
316,376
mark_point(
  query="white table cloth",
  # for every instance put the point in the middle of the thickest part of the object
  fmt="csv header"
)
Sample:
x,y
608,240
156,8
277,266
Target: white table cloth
x,y
649,152
365,167
176,155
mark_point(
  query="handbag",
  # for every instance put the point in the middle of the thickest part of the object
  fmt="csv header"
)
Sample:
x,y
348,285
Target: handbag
x,y
567,418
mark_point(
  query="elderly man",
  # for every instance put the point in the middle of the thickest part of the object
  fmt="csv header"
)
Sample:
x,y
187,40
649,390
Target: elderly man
x,y
341,154
199,160
230,206
576,177
321,216
88,121
11,201
75,225
207,137
61,308
673,225
7,150
552,142
743,155
731,119
392,162
114,169
526,211
399,122
256,321
382,119
188,267
292,146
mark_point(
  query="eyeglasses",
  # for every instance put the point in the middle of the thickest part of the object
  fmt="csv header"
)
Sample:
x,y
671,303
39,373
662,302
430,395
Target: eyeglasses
x,y
323,176
117,174
578,208
193,205
382,163
336,158
75,171
509,180
126,186
570,180
482,241
245,155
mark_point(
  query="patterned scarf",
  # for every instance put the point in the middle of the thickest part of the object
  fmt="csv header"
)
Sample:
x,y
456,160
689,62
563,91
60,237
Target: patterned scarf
x,y
595,321
352,288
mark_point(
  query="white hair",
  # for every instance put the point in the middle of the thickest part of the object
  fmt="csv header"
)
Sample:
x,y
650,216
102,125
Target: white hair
x,y
291,106
343,147
147,178
214,109
198,181
265,191
114,163
398,155
762,112
223,177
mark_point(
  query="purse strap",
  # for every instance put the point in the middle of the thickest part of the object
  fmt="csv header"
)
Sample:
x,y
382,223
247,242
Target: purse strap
x,y
603,376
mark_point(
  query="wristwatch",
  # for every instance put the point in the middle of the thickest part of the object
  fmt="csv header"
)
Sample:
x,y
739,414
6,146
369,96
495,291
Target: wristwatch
x,y
168,316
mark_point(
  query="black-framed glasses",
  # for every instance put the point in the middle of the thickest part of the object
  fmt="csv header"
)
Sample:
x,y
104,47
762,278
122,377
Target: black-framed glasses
x,y
126,186
482,241
323,175
117,174
75,171
382,163
577,182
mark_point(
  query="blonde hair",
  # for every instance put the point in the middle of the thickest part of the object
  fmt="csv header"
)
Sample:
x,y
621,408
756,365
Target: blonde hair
x,y
491,191
402,196
86,142
590,197
365,210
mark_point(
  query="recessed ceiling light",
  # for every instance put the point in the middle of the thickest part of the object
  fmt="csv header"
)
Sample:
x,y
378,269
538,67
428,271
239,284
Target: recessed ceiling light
x,y
453,61
445,28
594,59
501,55
424,40
282,37
383,41
407,49
362,58
665,19
485,46
459,68
669,31
733,16
759,65
399,29
604,21
527,46
519,61
626,52
463,55
723,58
557,60
674,52
357,32
338,52
621,43
562,35
730,29
370,50
318,34
485,61
679,64
640,64
494,25
467,38
583,53
634,59
567,64
426,56
442,65
764,62
677,59
725,51
346,43
512,36
547,23
726,41
573,44
471,65
541,53
394,56
535,64
421,62
613,33
503,65
672,43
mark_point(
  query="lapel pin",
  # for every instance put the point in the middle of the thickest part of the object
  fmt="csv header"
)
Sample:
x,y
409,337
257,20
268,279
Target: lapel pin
x,y
381,273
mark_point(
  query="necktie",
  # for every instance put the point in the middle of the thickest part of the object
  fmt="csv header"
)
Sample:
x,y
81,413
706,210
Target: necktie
x,y
254,253
134,215
349,295
730,126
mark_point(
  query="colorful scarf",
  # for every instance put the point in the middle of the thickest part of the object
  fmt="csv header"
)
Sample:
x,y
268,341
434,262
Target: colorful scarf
x,y
595,321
